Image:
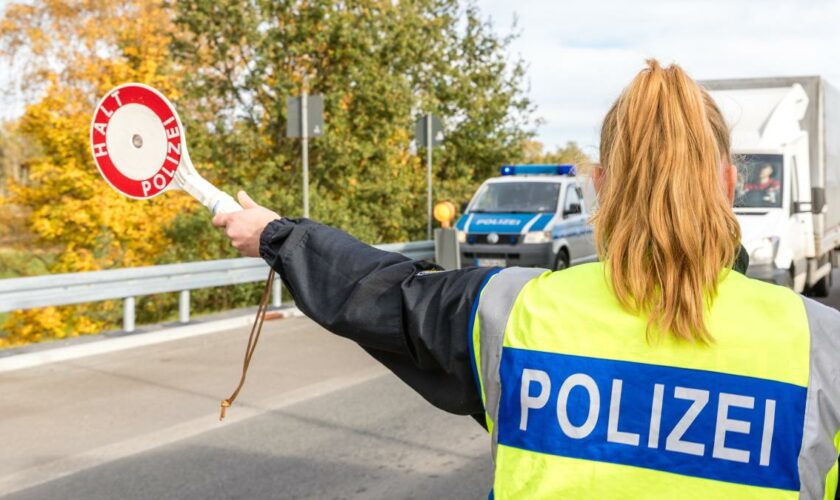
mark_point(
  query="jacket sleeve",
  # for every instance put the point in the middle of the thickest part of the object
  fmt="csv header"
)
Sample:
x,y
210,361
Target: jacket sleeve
x,y
409,315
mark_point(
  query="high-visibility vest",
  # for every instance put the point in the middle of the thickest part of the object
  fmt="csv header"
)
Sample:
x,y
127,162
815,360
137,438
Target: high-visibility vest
x,y
581,404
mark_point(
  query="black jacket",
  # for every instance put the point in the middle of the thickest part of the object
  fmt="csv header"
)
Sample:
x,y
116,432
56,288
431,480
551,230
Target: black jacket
x,y
408,314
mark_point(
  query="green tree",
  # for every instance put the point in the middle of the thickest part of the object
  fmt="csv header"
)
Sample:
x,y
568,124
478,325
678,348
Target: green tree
x,y
378,64
534,152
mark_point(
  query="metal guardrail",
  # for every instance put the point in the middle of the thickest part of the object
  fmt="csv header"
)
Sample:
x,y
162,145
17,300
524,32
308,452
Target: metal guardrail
x,y
129,283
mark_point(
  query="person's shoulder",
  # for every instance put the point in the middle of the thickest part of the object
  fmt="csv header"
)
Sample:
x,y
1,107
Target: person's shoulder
x,y
518,274
580,270
822,317
756,289
582,280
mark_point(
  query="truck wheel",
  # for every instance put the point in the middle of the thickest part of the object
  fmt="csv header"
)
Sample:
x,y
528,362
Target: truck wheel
x,y
822,288
562,260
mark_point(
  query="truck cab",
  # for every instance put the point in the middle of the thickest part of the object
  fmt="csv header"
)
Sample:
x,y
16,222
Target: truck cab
x,y
530,216
784,137
773,231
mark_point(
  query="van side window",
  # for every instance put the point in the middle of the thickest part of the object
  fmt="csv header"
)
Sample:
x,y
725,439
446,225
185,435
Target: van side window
x,y
573,203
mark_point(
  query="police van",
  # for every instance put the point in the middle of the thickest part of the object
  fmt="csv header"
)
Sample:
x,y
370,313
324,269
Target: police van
x,y
531,216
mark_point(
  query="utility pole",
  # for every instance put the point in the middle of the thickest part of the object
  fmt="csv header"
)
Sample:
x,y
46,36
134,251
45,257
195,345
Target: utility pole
x,y
305,119
429,176
304,127
428,132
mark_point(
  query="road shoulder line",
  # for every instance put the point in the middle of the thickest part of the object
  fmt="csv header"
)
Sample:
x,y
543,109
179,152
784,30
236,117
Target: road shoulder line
x,y
107,345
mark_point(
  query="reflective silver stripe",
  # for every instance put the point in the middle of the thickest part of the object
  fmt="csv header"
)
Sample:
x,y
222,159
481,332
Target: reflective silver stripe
x,y
494,309
527,227
467,224
822,408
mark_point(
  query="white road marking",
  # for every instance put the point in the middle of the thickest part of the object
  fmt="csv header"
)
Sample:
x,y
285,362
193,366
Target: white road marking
x,y
38,358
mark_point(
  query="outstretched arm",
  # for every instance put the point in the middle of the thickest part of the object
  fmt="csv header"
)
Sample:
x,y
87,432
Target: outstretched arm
x,y
409,315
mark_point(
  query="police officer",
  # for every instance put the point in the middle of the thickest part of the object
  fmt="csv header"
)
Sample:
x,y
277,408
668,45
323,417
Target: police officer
x,y
661,371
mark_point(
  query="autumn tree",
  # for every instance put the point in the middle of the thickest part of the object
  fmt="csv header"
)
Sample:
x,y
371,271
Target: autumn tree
x,y
14,236
74,51
229,66
14,150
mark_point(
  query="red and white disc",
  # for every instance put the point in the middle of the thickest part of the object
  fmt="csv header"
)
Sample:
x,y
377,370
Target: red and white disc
x,y
136,140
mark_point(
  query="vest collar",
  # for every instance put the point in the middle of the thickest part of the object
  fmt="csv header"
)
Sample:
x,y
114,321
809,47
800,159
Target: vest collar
x,y
742,261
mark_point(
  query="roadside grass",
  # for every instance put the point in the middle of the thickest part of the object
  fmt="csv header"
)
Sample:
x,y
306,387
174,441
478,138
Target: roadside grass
x,y
17,262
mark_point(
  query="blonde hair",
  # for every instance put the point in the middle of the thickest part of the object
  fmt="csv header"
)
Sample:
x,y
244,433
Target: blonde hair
x,y
665,228
718,124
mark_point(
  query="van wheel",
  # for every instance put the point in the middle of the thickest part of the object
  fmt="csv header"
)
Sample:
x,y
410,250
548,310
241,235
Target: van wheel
x,y
822,288
562,260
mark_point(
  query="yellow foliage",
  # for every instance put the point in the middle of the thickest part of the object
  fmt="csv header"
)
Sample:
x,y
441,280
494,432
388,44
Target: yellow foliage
x,y
35,325
79,50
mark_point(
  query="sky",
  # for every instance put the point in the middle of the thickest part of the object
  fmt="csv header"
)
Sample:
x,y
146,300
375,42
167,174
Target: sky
x,y
580,54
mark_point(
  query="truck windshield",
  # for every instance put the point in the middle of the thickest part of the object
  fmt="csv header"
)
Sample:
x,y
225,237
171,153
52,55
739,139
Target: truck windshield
x,y
517,197
759,181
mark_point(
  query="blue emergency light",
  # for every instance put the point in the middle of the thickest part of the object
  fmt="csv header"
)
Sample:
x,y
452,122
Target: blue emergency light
x,y
549,169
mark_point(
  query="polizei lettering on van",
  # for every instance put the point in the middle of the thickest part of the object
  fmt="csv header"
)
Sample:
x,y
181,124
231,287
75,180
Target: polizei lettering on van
x,y
692,422
497,221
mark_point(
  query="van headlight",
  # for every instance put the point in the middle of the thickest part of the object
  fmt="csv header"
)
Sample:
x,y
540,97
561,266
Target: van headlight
x,y
764,252
462,236
537,237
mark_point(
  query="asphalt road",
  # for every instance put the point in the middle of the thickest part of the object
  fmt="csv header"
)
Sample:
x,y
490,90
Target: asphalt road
x,y
317,419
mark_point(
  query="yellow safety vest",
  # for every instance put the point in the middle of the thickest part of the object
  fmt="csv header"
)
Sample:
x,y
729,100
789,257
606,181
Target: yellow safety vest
x,y
581,405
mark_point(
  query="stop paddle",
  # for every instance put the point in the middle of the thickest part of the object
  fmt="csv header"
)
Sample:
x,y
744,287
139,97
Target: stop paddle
x,y
140,148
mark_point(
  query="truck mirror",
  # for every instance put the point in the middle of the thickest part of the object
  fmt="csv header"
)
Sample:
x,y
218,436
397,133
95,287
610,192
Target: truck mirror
x,y
464,206
799,207
572,209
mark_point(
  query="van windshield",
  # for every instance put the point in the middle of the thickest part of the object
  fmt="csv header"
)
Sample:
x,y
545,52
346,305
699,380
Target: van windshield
x,y
759,181
517,197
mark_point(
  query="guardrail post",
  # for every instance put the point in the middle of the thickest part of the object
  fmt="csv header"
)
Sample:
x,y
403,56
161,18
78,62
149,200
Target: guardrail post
x,y
128,314
184,306
276,293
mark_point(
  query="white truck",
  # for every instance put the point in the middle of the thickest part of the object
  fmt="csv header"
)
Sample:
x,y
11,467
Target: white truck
x,y
786,144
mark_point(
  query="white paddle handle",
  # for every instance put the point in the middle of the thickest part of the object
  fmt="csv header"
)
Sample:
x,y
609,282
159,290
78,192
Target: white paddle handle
x,y
224,204
216,200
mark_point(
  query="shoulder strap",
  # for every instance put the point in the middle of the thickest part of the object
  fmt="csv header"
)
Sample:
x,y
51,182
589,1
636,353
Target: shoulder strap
x,y
495,304
822,409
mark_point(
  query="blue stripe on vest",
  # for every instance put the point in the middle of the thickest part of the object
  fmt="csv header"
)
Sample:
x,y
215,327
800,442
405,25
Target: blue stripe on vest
x,y
697,423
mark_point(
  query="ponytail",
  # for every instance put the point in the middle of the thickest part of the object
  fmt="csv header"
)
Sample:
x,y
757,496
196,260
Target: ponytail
x,y
664,227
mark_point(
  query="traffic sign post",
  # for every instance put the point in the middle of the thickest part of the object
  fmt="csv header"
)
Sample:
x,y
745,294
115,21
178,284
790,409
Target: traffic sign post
x,y
428,131
305,119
